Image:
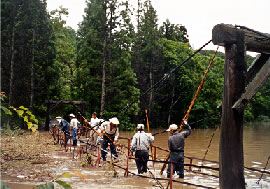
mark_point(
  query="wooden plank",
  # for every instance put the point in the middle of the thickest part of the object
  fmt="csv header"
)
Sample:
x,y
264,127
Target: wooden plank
x,y
255,67
224,34
253,87
231,158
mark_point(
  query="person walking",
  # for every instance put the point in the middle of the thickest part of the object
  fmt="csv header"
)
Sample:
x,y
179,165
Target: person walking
x,y
111,133
140,144
176,144
74,126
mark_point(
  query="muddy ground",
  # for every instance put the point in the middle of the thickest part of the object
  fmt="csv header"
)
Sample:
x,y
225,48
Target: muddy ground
x,y
29,160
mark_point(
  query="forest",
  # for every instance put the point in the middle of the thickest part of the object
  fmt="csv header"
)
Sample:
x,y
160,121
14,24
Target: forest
x,y
112,60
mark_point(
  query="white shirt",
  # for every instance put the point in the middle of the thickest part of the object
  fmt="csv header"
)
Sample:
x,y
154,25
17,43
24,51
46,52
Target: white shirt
x,y
74,123
94,122
141,141
109,129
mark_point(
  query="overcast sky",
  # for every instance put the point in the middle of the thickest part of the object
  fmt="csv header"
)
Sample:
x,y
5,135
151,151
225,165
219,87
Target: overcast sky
x,y
198,16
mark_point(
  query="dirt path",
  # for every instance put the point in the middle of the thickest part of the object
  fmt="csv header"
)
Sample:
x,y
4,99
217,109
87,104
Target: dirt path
x,y
29,160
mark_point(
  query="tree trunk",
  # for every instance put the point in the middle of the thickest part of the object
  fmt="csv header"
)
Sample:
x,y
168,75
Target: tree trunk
x,y
103,87
10,97
32,71
151,85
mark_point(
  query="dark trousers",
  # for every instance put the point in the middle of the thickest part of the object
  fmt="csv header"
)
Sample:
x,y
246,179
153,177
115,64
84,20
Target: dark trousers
x,y
66,138
142,156
104,146
178,167
73,134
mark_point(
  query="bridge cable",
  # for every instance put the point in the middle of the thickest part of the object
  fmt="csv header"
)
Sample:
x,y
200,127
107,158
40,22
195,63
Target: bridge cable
x,y
164,78
191,105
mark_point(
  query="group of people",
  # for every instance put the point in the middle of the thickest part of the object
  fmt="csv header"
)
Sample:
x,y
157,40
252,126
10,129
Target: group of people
x,y
141,141
70,128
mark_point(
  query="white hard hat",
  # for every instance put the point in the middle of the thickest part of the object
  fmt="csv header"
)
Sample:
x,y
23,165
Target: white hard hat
x,y
71,115
172,127
140,126
114,120
58,118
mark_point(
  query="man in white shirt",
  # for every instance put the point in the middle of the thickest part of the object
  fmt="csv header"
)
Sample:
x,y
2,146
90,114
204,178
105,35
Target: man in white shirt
x,y
74,126
140,144
112,131
93,135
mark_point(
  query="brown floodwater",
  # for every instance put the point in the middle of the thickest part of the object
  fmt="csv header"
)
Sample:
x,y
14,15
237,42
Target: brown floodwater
x,y
256,152
256,143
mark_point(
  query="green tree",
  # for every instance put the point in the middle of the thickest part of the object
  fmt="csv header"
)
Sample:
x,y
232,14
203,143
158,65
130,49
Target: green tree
x,y
28,50
64,64
146,57
106,40
174,32
89,55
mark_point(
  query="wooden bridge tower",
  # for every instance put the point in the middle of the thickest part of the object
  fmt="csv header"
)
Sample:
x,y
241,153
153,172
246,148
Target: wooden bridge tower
x,y
240,85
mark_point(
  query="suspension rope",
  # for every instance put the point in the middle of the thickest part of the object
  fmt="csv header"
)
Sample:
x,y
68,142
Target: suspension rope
x,y
209,145
191,105
198,90
164,78
192,123
264,170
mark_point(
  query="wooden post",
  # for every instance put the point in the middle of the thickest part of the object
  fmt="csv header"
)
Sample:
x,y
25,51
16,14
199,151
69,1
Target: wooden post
x,y
155,156
171,175
126,171
231,166
236,42
190,168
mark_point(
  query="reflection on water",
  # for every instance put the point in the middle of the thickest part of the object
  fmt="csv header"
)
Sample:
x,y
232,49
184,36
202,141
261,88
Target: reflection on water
x,y
256,141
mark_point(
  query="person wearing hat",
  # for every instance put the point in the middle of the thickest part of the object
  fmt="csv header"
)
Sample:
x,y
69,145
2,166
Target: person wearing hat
x,y
140,144
93,135
176,144
112,131
74,124
64,127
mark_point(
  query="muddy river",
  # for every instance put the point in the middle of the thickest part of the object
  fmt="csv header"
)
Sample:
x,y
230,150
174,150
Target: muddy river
x,y
256,153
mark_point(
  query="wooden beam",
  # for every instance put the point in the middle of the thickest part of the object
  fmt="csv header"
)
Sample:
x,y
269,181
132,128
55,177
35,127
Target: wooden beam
x,y
253,87
231,158
224,34
255,67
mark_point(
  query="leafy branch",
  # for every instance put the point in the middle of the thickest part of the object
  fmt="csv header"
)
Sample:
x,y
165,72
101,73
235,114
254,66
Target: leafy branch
x,y
22,112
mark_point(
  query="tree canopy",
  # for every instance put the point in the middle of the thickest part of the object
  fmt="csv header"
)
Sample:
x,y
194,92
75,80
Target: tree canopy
x,y
111,62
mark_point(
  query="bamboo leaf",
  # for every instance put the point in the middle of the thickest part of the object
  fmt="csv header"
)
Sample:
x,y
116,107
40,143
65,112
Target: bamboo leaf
x,y
30,124
20,112
42,187
6,111
3,185
25,118
34,129
23,108
64,184
49,185
66,175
